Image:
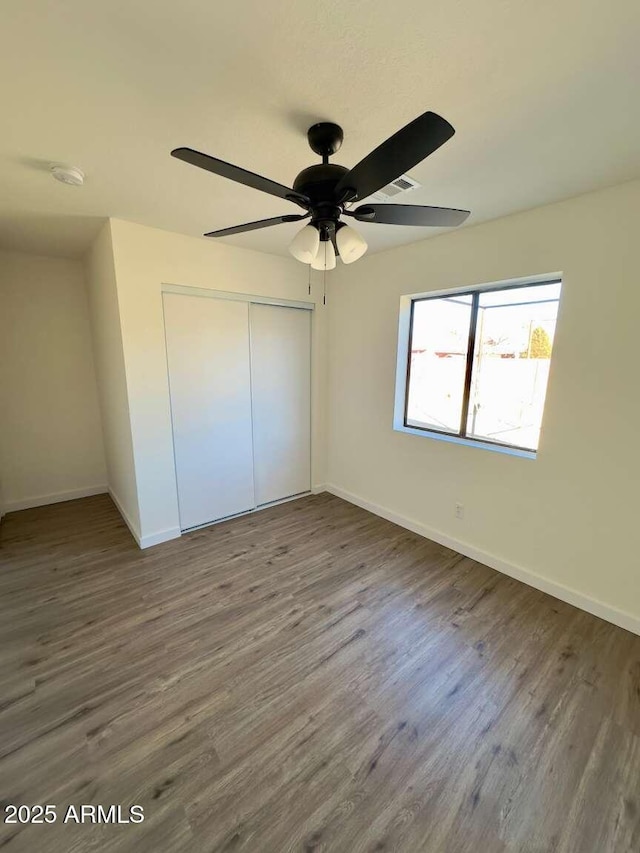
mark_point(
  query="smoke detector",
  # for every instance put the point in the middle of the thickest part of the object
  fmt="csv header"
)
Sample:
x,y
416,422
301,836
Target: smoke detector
x,y
403,184
68,175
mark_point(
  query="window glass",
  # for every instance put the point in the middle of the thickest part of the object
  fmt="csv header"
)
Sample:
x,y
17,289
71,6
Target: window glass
x,y
512,355
439,343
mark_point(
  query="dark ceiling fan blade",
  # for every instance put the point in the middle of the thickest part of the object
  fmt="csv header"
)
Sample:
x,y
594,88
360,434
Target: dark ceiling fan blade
x,y
260,223
409,214
397,155
241,176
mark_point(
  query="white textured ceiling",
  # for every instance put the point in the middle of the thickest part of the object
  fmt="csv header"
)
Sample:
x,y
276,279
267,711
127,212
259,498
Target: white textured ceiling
x,y
543,95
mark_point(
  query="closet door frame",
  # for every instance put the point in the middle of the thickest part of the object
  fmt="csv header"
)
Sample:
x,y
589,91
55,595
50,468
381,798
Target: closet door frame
x,y
206,293
186,290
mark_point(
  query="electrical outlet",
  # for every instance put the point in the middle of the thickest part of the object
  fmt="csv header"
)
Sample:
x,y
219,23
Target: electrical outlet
x,y
459,510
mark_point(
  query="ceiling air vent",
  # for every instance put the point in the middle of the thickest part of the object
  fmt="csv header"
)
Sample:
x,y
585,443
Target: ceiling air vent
x,y
403,184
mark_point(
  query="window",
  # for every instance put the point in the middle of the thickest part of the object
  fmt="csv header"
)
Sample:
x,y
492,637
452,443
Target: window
x,y
477,363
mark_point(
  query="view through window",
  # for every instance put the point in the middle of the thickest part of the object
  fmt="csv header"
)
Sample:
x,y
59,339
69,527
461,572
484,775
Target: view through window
x,y
479,363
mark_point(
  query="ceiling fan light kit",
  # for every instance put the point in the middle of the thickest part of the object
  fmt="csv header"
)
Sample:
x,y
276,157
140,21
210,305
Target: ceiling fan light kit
x,y
351,244
325,258
304,246
326,190
307,246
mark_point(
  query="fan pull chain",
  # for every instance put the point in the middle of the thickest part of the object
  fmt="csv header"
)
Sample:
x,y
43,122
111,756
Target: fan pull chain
x,y
324,283
309,279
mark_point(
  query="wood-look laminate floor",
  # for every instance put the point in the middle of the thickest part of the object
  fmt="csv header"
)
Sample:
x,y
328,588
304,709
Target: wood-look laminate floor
x,y
307,678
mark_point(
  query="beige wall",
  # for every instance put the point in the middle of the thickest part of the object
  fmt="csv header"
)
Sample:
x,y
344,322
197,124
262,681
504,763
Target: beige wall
x,y
145,258
110,371
50,436
566,520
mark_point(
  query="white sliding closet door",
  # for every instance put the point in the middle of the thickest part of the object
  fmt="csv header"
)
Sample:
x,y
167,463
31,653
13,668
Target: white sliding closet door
x,y
281,393
210,386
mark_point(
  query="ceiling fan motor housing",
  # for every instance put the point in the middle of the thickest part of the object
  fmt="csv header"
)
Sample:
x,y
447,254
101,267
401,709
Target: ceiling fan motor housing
x,y
318,183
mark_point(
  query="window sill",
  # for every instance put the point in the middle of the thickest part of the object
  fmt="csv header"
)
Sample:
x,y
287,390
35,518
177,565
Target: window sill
x,y
467,442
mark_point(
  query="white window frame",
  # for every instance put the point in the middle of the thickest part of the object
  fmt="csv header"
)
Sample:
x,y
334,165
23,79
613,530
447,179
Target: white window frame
x,y
402,373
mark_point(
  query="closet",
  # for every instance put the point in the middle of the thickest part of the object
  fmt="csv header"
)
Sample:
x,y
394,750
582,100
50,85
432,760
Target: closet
x,y
240,389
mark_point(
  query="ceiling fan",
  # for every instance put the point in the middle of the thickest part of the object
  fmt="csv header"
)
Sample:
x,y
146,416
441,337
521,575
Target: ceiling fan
x,y
326,191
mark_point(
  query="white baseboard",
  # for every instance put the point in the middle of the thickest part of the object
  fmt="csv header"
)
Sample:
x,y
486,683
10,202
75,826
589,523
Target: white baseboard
x,y
56,498
608,612
133,529
151,538
160,537
316,490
